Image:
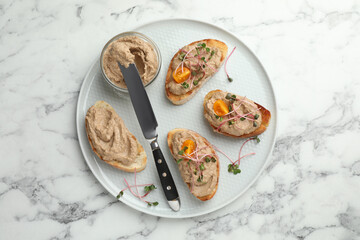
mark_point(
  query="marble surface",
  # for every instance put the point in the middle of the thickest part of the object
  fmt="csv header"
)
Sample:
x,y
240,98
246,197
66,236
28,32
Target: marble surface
x,y
309,190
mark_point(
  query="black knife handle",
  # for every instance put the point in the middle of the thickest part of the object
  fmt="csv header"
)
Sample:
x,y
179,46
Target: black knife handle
x,y
163,170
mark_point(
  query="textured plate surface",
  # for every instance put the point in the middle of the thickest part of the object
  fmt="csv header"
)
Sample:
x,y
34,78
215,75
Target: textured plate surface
x,y
250,80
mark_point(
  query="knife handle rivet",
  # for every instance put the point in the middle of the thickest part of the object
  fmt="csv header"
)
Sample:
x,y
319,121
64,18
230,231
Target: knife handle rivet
x,y
164,174
159,161
168,187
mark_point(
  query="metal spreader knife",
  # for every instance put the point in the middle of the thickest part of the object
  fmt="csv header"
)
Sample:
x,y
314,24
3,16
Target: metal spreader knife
x,y
148,123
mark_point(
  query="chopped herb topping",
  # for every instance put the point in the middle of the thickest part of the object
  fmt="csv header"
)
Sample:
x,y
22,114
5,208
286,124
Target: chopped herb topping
x,y
254,124
203,58
149,188
213,159
195,172
230,108
256,116
202,167
207,159
207,49
231,122
216,116
193,73
203,45
200,178
212,53
230,79
221,118
257,139
242,119
196,82
203,66
178,161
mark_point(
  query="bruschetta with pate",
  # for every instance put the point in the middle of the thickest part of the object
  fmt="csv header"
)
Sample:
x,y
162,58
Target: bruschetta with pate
x,y
197,162
191,67
111,141
235,116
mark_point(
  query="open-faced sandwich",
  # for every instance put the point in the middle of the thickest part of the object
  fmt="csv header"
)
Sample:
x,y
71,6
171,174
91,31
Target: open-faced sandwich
x,y
111,140
197,161
191,67
235,116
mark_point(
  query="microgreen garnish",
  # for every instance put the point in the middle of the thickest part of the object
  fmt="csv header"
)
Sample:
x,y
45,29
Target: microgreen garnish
x,y
208,49
181,56
149,188
120,194
242,119
254,124
203,58
153,204
178,161
213,159
256,116
257,139
231,122
207,159
193,73
185,85
203,45
197,51
196,82
228,77
195,172
230,108
200,178
230,97
216,116
202,167
181,152
234,168
211,54
221,118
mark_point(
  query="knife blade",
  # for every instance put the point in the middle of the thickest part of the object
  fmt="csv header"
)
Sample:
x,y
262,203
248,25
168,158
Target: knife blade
x,y
148,124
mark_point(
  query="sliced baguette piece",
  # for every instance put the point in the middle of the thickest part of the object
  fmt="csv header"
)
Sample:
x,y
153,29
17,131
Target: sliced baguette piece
x,y
265,115
181,99
139,162
170,144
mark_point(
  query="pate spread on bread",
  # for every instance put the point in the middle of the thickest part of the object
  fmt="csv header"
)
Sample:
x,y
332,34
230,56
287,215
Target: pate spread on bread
x,y
234,115
191,67
197,162
111,141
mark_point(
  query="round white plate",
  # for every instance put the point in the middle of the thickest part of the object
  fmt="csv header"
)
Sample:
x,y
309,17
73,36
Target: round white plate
x,y
250,80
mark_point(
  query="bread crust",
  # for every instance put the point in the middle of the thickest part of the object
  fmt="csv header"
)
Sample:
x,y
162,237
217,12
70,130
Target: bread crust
x,y
181,99
141,159
265,114
169,140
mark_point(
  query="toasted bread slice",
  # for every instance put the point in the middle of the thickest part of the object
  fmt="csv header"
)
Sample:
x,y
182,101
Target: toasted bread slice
x,y
265,116
139,162
170,144
181,99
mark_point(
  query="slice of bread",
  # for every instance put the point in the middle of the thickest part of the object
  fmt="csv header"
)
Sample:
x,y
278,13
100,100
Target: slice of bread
x,y
139,162
265,115
181,99
170,144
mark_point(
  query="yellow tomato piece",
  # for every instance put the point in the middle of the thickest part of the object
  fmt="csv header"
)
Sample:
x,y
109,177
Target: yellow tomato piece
x,y
220,108
181,74
190,146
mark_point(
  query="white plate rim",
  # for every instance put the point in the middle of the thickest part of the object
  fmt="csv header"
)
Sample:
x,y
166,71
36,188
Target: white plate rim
x,y
149,211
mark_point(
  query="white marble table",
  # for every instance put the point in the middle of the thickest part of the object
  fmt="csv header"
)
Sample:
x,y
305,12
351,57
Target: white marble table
x,y
310,189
